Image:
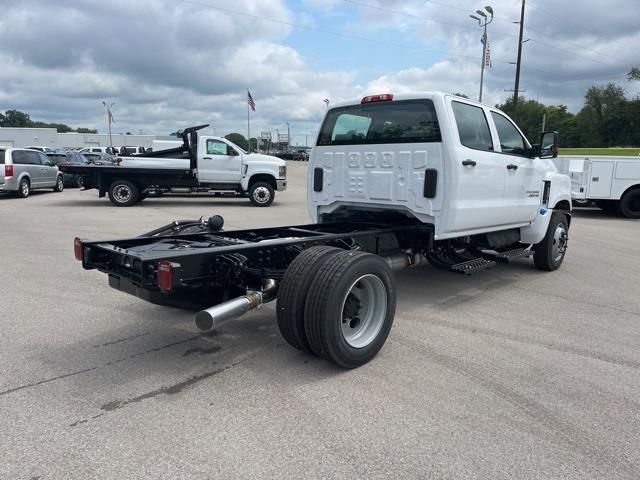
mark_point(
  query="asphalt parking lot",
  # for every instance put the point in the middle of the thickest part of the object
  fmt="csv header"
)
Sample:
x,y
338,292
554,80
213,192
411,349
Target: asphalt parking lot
x,y
510,373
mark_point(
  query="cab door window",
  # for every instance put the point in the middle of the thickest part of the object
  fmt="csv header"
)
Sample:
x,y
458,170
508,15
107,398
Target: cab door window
x,y
511,141
216,147
473,128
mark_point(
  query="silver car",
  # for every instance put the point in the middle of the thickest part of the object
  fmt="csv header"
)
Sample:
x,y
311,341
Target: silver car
x,y
23,170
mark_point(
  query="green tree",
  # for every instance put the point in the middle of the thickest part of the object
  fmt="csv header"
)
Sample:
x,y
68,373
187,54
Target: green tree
x,y
634,74
15,118
238,139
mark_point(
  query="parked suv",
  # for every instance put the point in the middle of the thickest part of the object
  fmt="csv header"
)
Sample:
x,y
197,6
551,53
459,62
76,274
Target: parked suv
x,y
23,170
70,158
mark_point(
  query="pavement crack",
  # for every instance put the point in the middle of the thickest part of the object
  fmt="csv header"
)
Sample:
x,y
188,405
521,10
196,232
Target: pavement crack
x,y
202,350
120,340
48,380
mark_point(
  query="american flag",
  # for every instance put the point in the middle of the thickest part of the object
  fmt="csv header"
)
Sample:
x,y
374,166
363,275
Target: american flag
x,y
250,101
326,101
110,116
487,54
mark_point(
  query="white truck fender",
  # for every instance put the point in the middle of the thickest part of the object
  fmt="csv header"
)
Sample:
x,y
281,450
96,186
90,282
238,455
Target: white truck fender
x,y
559,198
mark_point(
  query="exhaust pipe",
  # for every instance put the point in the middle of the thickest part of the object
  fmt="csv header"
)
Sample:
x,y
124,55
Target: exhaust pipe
x,y
207,320
400,261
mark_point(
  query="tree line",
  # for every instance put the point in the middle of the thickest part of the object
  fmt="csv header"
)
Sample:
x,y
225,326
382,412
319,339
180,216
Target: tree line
x,y
607,119
16,118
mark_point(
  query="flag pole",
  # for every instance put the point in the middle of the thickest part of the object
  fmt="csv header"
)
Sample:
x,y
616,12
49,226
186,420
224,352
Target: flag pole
x,y
248,128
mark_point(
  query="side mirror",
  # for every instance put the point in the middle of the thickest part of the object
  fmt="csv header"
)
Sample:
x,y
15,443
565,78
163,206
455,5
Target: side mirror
x,y
549,144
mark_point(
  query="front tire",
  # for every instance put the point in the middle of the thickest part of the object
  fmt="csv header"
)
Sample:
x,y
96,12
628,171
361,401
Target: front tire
x,y
292,294
123,193
350,308
261,194
549,253
24,189
629,205
59,184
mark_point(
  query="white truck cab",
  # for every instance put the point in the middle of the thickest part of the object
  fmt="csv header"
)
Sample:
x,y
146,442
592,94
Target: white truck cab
x,y
463,167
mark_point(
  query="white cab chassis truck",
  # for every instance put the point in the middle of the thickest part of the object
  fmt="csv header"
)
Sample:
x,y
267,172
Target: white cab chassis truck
x,y
393,181
199,164
613,183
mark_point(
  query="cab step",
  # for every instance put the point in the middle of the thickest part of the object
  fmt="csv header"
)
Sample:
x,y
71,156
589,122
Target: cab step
x,y
472,266
505,257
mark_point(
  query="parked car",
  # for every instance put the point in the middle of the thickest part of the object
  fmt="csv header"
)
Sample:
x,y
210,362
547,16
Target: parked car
x,y
100,158
70,158
23,170
130,150
42,149
108,150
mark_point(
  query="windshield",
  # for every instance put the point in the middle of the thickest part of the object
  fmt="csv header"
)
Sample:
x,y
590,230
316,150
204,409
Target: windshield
x,y
404,121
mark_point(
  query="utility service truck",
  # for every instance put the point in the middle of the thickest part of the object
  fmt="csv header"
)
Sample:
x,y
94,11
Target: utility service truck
x,y
393,181
613,183
199,164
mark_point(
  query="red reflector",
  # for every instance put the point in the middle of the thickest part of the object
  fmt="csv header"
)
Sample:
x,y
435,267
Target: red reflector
x,y
78,249
8,170
383,97
166,270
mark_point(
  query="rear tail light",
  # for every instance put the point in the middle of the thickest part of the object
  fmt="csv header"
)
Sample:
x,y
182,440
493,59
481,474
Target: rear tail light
x,y
8,170
383,97
168,275
78,249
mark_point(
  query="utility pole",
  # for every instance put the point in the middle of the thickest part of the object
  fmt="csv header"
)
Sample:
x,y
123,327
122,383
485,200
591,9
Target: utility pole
x,y
519,59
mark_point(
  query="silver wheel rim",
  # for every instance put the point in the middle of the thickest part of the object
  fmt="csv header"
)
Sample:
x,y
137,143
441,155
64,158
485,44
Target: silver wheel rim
x,y
364,309
559,246
261,195
122,193
25,189
59,185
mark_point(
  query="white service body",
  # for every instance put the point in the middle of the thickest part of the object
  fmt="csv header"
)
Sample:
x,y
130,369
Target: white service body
x,y
600,178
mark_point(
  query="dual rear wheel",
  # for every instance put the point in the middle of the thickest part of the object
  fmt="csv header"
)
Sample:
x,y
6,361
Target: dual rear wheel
x,y
337,304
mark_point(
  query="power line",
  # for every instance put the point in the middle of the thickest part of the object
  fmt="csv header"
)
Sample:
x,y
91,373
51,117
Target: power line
x,y
433,18
322,30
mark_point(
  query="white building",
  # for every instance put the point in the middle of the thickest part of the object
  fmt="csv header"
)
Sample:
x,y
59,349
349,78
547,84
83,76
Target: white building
x,y
49,137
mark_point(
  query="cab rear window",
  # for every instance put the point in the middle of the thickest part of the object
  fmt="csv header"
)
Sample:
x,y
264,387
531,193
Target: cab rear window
x,y
404,121
2,156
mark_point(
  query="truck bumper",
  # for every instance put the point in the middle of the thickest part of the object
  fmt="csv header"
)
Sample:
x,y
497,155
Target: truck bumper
x,y
281,185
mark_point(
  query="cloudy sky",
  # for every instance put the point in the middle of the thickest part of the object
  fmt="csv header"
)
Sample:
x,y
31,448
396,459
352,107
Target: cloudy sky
x,y
172,63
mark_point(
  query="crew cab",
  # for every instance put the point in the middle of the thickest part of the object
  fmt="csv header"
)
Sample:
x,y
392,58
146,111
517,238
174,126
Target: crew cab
x,y
200,164
393,182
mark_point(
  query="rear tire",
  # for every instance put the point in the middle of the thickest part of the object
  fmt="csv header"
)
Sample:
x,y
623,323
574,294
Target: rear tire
x,y
629,205
123,193
261,194
350,308
292,294
549,253
24,189
80,182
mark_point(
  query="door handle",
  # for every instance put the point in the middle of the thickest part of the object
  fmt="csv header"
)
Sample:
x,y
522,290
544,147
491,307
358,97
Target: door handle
x,y
469,163
206,158
511,166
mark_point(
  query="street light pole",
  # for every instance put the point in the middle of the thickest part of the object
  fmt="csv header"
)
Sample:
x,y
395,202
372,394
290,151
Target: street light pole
x,y
109,116
483,22
288,136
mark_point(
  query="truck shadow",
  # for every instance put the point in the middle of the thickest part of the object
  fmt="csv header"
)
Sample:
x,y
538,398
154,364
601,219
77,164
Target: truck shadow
x,y
588,212
165,201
